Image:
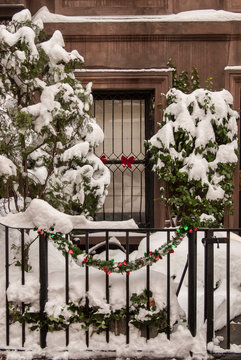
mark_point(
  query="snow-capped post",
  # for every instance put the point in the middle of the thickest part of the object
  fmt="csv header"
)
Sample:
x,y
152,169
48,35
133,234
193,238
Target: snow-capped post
x,y
47,134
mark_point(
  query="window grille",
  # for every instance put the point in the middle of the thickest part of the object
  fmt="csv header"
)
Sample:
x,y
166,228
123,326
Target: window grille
x,y
126,119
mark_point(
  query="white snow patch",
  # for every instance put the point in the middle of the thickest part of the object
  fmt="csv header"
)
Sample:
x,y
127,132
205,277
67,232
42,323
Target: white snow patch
x,y
41,214
187,16
7,167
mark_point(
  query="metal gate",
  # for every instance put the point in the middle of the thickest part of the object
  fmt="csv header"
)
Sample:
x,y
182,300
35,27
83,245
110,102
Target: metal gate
x,y
127,120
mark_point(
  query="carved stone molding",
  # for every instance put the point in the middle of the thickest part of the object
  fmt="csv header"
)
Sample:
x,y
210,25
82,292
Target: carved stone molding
x,y
152,37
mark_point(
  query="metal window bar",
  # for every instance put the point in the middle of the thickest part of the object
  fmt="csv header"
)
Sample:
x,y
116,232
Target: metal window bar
x,y
141,198
132,195
122,125
131,126
123,189
141,135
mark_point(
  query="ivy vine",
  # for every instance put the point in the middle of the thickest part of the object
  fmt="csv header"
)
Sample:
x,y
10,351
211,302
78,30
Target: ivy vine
x,y
92,317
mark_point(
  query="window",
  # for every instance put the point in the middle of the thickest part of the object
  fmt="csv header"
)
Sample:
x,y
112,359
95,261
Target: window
x,y
126,121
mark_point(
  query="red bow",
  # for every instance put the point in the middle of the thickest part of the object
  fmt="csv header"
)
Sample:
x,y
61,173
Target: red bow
x,y
127,161
103,159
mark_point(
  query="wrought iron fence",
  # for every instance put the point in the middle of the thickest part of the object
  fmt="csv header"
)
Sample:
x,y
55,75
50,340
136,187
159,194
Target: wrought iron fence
x,y
86,238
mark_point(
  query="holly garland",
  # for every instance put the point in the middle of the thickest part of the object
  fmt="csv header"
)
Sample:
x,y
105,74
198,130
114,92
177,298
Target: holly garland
x,y
62,243
124,267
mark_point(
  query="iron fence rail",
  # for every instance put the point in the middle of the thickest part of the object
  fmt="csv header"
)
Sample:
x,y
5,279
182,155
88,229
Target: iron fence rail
x,y
209,240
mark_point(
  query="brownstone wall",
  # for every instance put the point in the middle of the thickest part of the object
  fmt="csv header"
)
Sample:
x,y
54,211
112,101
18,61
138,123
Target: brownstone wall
x,y
211,46
131,7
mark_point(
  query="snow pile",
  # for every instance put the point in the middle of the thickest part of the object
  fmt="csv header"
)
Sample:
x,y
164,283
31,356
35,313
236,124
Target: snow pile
x,y
42,215
54,48
7,167
186,16
195,152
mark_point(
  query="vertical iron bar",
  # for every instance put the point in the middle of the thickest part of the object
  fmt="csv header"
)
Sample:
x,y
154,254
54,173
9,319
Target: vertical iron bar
x,y
192,282
103,118
107,292
87,286
131,126
23,262
104,126
228,288
123,189
141,195
141,141
67,289
43,279
132,172
168,290
205,276
113,187
122,126
127,292
7,282
209,286
148,282
113,126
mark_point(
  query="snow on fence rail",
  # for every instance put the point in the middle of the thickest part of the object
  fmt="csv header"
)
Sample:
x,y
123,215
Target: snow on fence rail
x,y
45,291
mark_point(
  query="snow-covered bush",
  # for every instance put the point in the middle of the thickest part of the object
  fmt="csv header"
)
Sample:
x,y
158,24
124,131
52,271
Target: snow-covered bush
x,y
195,153
47,134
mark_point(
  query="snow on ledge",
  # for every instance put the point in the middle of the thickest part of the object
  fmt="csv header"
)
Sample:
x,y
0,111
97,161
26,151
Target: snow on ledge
x,y
187,16
44,216
233,67
125,70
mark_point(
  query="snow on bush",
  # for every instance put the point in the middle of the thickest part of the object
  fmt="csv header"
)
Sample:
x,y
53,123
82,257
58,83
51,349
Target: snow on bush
x,y
195,153
47,134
